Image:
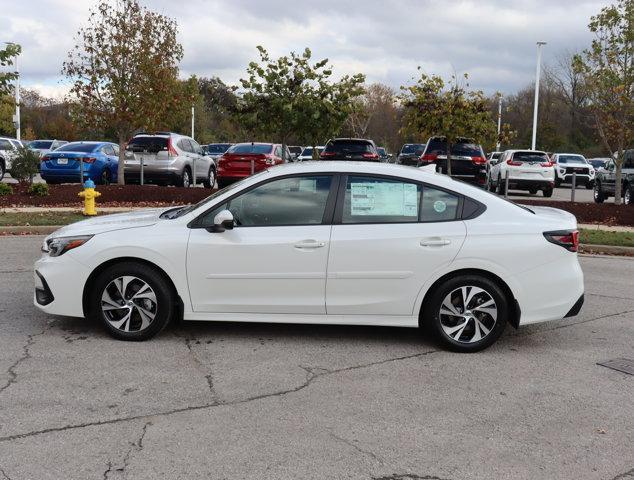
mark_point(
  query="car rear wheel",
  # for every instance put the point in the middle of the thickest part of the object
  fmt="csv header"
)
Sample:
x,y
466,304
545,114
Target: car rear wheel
x,y
186,178
210,181
501,186
532,191
133,301
222,183
557,183
466,313
590,185
548,192
2,169
627,195
598,194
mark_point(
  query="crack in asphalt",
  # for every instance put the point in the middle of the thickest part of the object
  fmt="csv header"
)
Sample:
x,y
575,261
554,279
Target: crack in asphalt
x,y
568,325
4,474
628,474
134,446
408,476
311,376
200,367
351,443
609,296
26,354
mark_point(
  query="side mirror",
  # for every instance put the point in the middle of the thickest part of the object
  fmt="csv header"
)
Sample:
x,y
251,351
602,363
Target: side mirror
x,y
222,221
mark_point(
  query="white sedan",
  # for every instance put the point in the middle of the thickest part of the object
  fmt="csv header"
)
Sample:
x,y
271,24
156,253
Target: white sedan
x,y
323,243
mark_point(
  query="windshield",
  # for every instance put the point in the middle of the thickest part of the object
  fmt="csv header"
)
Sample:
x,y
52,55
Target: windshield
x,y
413,148
218,147
571,159
295,150
597,163
381,151
77,147
530,157
41,144
251,148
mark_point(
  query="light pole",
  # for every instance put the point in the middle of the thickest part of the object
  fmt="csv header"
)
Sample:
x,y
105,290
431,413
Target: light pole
x,y
16,118
193,121
497,145
537,75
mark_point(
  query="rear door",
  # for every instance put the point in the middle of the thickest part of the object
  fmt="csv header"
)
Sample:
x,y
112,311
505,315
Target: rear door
x,y
389,236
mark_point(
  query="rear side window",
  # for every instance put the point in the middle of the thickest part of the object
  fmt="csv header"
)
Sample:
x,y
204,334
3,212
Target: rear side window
x,y
438,205
147,144
250,148
184,145
77,147
349,147
378,200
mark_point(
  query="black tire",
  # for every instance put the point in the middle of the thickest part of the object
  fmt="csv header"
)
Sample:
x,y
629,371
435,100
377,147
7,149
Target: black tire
x,y
557,183
106,178
210,181
222,183
628,193
501,186
548,192
163,309
532,191
598,195
590,185
431,313
185,179
3,169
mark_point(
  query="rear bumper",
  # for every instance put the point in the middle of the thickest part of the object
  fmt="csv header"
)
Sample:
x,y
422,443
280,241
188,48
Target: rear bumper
x,y
152,177
526,184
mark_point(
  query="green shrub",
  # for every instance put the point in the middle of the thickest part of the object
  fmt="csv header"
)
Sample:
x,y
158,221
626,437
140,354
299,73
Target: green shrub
x,y
25,165
5,189
39,189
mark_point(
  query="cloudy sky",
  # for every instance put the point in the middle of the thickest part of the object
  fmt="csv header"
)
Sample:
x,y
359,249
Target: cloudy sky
x,y
492,40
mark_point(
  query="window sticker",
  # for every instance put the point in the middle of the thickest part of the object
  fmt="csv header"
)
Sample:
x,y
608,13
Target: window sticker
x,y
384,198
440,206
308,185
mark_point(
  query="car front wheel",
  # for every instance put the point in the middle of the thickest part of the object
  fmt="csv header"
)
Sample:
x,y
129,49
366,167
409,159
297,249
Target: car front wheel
x,y
210,181
133,301
466,313
627,195
598,194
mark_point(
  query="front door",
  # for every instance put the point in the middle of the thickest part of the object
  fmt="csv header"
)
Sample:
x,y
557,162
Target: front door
x,y
389,237
274,259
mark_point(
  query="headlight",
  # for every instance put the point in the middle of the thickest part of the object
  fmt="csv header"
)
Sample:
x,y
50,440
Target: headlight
x,y
60,245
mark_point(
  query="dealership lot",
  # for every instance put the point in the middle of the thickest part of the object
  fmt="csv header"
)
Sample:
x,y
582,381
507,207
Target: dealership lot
x,y
272,401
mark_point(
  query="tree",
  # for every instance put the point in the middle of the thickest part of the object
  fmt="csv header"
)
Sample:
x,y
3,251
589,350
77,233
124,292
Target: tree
x,y
290,97
608,70
7,56
451,111
124,69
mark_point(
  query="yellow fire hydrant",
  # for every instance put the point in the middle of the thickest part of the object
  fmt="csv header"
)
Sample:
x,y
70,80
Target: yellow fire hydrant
x,y
89,194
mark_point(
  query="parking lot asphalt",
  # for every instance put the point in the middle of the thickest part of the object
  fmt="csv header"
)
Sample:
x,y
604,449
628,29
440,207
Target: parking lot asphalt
x,y
231,401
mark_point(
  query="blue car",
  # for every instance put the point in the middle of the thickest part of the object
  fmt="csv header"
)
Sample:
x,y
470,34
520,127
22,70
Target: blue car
x,y
100,163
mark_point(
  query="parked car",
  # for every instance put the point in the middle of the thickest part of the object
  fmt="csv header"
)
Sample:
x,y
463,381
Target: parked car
x,y
569,164
492,159
398,246
8,151
598,163
307,153
383,155
45,146
216,150
295,151
410,154
64,165
168,159
468,162
244,159
359,149
529,170
605,182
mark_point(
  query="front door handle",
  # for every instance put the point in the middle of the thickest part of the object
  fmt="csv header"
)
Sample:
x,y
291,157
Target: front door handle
x,y
434,242
309,244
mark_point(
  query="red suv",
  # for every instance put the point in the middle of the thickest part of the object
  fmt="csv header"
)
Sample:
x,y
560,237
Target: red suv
x,y
244,159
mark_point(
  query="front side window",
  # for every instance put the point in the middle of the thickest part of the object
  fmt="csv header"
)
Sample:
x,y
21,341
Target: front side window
x,y
284,202
378,200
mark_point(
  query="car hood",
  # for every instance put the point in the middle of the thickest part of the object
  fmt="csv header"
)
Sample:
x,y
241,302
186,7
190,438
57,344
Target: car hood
x,y
109,223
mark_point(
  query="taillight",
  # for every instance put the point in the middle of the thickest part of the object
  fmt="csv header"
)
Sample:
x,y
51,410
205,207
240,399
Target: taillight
x,y
430,157
370,155
269,160
546,164
45,158
171,151
479,160
513,163
89,159
569,239
327,154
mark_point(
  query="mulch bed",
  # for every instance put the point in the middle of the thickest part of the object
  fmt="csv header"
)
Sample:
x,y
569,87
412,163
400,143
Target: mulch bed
x,y
111,196
151,196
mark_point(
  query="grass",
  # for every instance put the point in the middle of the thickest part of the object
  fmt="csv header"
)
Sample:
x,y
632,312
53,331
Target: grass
x,y
23,219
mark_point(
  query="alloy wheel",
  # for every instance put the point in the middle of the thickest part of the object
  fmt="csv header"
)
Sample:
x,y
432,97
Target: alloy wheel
x,y
186,180
468,314
627,197
212,178
129,304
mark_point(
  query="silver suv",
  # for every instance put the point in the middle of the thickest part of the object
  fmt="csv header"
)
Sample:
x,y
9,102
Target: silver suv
x,y
168,159
8,151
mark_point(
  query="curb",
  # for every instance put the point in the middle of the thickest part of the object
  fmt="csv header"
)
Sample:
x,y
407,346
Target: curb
x,y
606,249
31,230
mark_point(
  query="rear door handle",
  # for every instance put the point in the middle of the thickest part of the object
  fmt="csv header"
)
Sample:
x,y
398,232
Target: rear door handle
x,y
434,242
309,244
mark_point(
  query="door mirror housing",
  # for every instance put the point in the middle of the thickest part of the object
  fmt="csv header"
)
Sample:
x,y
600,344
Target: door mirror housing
x,y
222,221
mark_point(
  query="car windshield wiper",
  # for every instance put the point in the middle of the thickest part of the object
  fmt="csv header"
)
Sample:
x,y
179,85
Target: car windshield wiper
x,y
173,212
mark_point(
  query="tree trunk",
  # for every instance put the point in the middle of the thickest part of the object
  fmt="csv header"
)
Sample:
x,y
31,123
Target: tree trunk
x,y
448,158
617,180
121,166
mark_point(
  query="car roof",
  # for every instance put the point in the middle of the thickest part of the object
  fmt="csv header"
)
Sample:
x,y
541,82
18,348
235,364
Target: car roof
x,y
525,150
255,143
575,154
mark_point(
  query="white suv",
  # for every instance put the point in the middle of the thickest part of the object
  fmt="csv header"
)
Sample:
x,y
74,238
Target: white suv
x,y
569,164
8,151
529,170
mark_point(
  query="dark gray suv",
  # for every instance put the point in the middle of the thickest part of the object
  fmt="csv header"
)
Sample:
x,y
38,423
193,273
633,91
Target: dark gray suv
x,y
605,180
